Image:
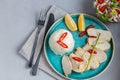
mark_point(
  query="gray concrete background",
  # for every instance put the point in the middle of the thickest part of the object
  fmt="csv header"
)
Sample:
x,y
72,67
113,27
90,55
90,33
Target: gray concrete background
x,y
18,19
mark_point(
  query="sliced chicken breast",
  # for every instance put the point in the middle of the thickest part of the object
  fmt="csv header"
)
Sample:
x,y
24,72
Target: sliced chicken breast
x,y
66,65
75,64
87,46
94,63
92,32
103,46
105,35
78,66
82,53
87,55
101,56
92,41
83,65
79,51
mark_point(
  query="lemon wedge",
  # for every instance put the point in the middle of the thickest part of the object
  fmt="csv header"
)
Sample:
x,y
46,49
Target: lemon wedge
x,y
81,23
70,23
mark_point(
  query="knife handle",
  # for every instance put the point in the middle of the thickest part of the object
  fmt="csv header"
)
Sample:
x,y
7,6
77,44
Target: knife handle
x,y
35,66
34,48
51,20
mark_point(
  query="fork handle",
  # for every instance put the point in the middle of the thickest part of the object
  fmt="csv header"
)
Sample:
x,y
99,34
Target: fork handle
x,y
34,48
35,66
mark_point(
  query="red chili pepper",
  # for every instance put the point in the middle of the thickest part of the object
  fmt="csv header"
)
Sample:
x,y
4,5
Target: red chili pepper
x,y
102,9
118,11
88,27
77,59
118,1
82,33
93,36
62,44
90,51
100,1
85,32
63,36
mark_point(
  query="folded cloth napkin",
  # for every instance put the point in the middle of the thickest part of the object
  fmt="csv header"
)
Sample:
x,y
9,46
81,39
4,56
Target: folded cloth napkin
x,y
26,49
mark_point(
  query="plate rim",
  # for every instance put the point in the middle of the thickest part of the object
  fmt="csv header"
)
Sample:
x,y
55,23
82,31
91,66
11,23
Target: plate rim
x,y
76,78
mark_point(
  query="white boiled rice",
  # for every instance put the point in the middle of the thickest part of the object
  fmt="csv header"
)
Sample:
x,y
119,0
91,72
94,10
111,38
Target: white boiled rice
x,y
68,40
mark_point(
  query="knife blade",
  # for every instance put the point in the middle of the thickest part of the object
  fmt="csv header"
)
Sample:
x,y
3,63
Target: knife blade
x,y
51,20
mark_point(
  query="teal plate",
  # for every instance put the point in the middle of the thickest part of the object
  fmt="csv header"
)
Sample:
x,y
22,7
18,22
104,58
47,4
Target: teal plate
x,y
55,60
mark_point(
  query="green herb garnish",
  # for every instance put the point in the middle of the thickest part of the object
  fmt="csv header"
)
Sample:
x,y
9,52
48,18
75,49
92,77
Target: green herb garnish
x,y
91,55
113,0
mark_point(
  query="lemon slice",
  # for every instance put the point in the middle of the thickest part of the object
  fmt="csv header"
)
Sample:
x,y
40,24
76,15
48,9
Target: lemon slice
x,y
70,23
81,23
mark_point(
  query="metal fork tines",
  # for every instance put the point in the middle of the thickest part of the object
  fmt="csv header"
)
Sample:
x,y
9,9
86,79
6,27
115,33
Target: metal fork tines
x,y
40,24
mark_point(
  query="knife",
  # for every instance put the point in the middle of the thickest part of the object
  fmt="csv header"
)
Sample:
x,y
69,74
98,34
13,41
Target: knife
x,y
51,20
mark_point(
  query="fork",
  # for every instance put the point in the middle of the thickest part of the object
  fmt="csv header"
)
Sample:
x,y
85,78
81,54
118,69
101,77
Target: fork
x,y
40,24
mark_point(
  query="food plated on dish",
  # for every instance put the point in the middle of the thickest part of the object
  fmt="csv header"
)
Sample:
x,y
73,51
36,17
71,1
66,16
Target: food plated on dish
x,y
108,10
78,46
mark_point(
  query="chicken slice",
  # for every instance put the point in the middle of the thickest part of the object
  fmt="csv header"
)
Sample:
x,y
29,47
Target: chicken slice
x,y
105,35
87,47
103,46
67,66
83,65
92,32
101,55
92,41
78,66
94,63
79,51
75,64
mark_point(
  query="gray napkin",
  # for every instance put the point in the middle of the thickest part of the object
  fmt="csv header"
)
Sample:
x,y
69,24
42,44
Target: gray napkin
x,y
25,51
